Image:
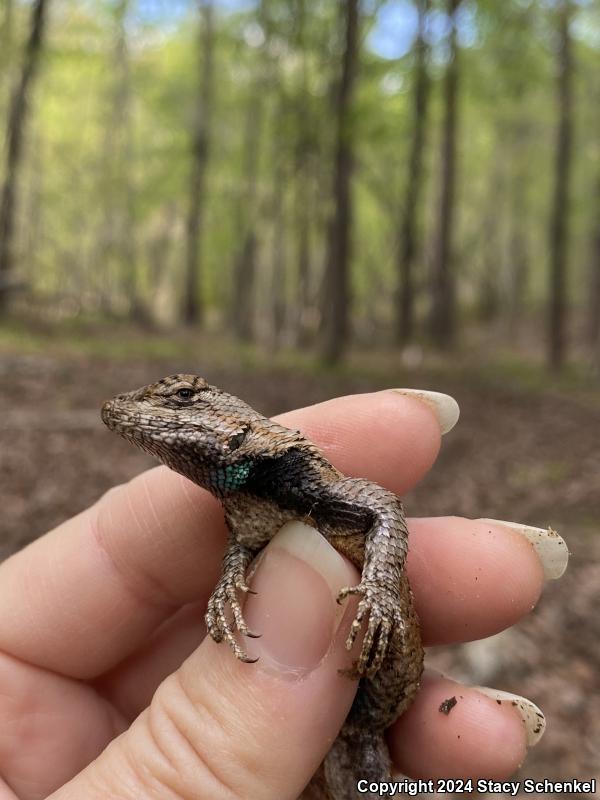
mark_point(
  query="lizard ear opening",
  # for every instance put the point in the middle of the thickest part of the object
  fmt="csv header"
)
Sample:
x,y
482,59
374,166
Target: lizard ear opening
x,y
238,438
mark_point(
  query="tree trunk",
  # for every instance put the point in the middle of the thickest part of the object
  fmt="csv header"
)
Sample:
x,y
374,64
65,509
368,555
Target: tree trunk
x,y
518,249
6,47
278,265
243,288
488,300
33,205
126,200
244,265
114,256
303,260
518,280
302,204
594,307
442,323
409,223
337,278
15,136
559,222
192,311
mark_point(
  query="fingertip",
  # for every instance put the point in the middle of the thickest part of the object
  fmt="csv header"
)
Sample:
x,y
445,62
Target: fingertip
x,y
470,579
390,438
476,737
444,407
422,437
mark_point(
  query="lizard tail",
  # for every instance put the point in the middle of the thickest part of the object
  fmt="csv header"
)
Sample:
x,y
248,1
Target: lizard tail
x,y
356,755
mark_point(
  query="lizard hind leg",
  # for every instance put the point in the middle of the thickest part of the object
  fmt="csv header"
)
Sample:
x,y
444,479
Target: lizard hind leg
x,y
360,752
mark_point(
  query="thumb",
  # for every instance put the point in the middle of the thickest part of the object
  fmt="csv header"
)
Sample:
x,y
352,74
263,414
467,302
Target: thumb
x,y
221,728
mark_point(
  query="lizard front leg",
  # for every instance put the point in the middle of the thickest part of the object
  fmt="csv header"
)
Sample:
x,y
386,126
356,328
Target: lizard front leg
x,y
386,546
222,626
252,523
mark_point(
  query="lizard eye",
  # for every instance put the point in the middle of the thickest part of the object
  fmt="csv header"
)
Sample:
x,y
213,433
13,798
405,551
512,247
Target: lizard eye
x,y
185,393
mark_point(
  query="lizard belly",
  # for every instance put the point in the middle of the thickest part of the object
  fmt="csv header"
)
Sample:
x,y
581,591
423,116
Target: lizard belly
x,y
351,545
254,521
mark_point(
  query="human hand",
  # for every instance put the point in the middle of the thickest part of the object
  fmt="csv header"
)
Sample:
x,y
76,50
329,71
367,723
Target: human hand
x,y
99,614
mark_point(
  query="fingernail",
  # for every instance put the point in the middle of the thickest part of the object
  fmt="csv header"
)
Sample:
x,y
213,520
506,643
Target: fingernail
x,y
444,406
297,579
550,547
533,718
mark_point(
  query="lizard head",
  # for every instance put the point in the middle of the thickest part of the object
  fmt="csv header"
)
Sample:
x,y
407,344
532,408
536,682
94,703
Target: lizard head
x,y
189,425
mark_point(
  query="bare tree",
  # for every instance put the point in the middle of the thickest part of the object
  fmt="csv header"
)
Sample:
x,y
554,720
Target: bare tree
x,y
15,136
337,275
408,244
192,303
442,320
559,221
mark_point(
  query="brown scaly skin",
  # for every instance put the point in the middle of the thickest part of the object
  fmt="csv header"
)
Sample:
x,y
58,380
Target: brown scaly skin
x,y
265,475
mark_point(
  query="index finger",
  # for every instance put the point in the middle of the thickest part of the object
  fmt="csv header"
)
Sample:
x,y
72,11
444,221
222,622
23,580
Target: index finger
x,y
87,594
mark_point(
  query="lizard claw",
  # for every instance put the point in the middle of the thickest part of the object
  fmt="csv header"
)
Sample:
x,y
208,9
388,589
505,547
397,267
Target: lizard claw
x,y
347,591
243,587
223,605
383,615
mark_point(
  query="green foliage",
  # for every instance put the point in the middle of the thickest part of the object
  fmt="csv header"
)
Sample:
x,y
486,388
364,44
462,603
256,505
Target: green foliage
x,y
82,179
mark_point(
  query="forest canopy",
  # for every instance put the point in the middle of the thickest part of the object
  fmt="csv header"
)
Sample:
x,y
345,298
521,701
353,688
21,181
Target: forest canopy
x,y
303,173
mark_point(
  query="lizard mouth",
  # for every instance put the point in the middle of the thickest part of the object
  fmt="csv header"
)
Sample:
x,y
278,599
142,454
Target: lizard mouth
x,y
125,417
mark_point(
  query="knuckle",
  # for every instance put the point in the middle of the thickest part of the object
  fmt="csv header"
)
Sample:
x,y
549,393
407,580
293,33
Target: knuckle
x,y
190,748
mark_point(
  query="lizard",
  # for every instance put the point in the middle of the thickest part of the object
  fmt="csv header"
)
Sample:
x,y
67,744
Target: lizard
x,y
265,475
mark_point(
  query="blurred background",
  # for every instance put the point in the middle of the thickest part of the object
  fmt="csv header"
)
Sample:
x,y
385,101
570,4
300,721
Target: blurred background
x,y
299,199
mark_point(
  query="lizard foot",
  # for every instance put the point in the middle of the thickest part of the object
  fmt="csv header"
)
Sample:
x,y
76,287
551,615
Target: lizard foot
x,y
383,614
219,623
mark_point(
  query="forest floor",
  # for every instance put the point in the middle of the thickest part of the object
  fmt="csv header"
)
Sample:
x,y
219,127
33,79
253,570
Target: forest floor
x,y
526,448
